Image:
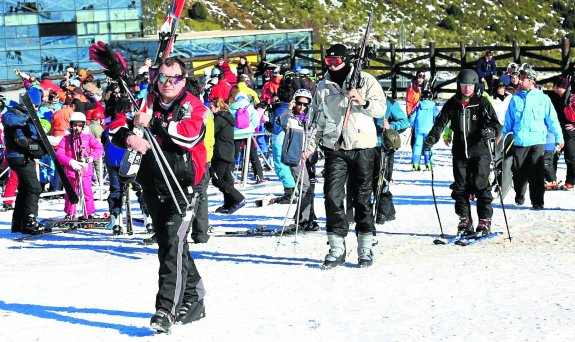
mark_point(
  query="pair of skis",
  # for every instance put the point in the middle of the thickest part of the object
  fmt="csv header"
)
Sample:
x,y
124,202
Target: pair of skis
x,y
466,240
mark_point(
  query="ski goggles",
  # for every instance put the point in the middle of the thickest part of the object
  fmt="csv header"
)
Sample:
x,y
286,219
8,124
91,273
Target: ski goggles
x,y
78,123
333,61
172,79
467,85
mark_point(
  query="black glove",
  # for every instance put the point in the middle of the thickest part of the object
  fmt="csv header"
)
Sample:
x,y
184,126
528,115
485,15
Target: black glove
x,y
427,146
113,62
488,133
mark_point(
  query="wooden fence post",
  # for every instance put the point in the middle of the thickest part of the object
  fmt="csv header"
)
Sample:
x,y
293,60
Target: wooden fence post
x,y
463,53
291,57
432,60
516,53
392,58
565,53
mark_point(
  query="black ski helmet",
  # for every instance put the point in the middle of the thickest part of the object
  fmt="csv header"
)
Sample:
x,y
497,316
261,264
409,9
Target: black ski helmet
x,y
467,76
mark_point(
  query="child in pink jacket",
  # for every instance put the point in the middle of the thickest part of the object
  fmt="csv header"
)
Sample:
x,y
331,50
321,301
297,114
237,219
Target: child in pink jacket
x,y
76,152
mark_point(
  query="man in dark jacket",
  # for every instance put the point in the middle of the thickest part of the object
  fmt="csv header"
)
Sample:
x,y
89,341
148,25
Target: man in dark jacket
x,y
177,122
564,102
22,147
474,123
486,69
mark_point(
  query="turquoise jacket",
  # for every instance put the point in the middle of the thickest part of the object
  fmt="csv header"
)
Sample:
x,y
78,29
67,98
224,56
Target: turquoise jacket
x,y
529,115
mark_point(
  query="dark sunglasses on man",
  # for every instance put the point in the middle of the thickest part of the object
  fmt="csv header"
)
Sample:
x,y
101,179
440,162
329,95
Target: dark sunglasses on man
x,y
301,104
175,79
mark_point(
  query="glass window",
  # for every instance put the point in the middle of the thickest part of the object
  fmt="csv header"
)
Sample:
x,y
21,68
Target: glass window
x,y
123,4
24,43
21,19
64,56
104,27
16,56
90,16
57,17
58,42
56,5
118,27
84,42
132,26
4,72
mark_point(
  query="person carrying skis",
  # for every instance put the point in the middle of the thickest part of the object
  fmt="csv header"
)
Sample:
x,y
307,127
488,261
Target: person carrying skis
x,y
22,148
349,151
474,123
176,121
77,152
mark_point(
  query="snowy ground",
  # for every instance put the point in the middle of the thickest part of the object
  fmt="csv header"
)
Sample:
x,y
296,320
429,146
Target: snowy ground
x,y
92,286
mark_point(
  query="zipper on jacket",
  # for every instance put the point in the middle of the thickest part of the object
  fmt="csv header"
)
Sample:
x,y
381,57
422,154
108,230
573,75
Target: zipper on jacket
x,y
465,129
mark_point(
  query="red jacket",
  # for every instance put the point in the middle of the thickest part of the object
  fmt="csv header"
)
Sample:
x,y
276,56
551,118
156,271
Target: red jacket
x,y
221,90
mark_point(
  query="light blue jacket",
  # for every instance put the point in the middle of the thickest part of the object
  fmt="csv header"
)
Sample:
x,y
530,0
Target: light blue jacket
x,y
243,133
529,115
423,116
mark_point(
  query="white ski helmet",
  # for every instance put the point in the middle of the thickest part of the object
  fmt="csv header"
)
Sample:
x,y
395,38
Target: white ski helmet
x,y
302,93
77,116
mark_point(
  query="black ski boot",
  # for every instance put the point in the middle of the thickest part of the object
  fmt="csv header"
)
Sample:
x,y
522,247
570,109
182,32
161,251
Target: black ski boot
x,y
33,227
286,197
7,207
151,240
483,228
190,312
465,226
336,255
162,321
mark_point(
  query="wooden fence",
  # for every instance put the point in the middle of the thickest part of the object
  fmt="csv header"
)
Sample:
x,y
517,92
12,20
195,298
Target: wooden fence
x,y
392,64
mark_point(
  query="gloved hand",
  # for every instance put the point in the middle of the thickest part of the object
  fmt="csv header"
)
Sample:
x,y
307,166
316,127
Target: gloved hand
x,y
113,62
76,165
427,145
89,160
488,133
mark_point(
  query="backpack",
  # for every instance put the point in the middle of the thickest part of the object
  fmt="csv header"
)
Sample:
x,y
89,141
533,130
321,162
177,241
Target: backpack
x,y
243,118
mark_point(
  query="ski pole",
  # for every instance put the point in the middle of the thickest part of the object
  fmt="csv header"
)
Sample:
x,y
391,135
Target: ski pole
x,y
492,152
434,200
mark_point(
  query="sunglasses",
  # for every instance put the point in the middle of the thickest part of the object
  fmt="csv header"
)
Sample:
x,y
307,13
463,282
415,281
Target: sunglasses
x,y
301,104
333,61
173,79
79,124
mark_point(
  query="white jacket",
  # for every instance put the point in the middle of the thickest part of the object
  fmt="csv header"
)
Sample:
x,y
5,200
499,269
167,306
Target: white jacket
x,y
330,103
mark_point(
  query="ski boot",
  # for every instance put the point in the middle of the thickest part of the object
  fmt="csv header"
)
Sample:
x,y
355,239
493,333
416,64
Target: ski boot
x,y
162,321
483,228
114,220
190,312
150,241
364,252
147,223
7,207
428,167
33,227
465,226
117,230
336,255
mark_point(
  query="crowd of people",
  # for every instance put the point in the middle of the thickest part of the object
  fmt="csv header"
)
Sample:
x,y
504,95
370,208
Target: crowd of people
x,y
203,127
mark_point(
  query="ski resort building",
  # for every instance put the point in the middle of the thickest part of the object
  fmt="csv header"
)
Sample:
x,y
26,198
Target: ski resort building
x,y
50,35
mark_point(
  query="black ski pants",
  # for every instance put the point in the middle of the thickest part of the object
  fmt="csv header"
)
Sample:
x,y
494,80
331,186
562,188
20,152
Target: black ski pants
x,y
201,224
356,164
385,207
529,167
115,196
569,153
29,190
223,179
471,176
305,200
179,279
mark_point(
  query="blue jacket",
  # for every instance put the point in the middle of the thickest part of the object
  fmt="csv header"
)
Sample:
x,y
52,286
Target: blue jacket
x,y
395,116
529,115
423,116
485,69
113,155
17,126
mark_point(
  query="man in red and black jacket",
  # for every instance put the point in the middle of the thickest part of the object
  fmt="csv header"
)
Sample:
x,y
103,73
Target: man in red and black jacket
x,y
177,121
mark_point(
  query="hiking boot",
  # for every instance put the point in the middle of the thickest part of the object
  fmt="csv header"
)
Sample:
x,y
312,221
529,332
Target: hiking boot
x,y
483,228
33,227
162,321
336,255
364,252
465,226
236,207
191,312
